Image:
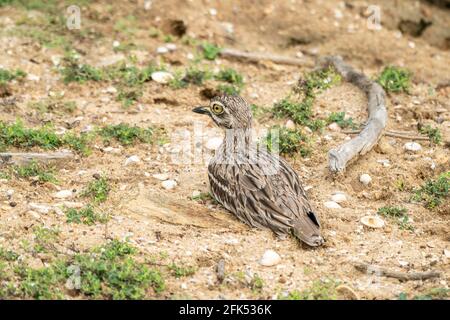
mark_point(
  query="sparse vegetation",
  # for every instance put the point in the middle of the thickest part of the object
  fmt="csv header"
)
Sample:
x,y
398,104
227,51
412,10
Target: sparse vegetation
x,y
181,271
399,215
287,141
74,71
86,215
6,75
341,120
395,79
126,134
97,190
108,272
210,51
44,238
434,191
320,290
35,170
433,133
432,294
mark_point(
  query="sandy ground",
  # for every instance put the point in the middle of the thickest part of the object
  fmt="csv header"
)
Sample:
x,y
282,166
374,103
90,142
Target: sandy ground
x,y
201,233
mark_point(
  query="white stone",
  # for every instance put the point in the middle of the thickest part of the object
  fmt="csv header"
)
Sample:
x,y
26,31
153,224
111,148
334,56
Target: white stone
x,y
34,214
214,143
334,127
56,60
331,205
116,44
447,253
132,160
162,77
412,146
162,50
290,124
365,179
339,197
270,258
41,208
384,162
63,194
161,176
33,77
171,46
196,193
213,12
372,222
169,184
111,150
148,4
111,90
190,56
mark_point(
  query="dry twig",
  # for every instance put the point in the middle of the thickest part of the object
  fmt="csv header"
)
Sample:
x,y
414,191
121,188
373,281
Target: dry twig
x,y
379,271
19,158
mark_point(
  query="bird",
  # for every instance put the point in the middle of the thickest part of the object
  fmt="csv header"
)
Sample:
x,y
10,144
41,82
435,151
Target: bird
x,y
260,188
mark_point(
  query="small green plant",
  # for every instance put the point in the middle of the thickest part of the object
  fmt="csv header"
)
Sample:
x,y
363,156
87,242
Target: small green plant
x,y
34,169
196,76
257,283
44,238
395,79
202,196
85,215
8,255
180,271
320,290
107,272
339,118
299,112
399,215
287,141
126,134
435,293
6,75
433,133
231,76
74,71
210,51
110,271
434,191
228,89
97,190
54,106
17,135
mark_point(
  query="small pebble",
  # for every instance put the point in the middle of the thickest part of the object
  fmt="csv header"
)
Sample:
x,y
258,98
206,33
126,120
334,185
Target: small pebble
x,y
372,222
63,194
332,205
412,146
290,124
132,160
334,127
40,208
339,197
270,258
162,77
162,50
161,176
447,253
171,46
365,179
169,184
196,194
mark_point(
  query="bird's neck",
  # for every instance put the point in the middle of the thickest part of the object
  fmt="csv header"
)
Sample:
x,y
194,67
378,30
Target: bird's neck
x,y
238,141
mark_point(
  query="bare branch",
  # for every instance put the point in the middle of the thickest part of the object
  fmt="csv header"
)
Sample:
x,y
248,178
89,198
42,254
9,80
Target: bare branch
x,y
369,136
379,271
24,158
258,57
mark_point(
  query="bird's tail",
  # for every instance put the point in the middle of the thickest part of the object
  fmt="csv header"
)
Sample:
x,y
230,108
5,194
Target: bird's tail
x,y
307,229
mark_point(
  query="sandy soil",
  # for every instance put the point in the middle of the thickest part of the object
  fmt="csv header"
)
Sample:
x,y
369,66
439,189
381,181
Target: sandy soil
x,y
201,233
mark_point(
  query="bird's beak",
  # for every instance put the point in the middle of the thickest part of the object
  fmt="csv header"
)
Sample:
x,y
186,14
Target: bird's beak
x,y
201,110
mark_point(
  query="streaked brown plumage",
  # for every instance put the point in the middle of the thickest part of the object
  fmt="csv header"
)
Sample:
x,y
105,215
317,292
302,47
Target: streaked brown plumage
x,y
260,188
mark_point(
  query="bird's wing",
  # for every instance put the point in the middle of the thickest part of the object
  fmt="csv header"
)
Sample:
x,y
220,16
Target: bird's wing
x,y
275,200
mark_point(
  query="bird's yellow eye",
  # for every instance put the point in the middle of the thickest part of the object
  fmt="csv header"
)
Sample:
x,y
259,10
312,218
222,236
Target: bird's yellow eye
x,y
216,108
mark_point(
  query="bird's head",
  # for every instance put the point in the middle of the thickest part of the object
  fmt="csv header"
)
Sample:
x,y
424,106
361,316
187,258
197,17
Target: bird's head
x,y
228,112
